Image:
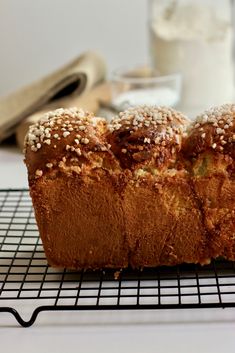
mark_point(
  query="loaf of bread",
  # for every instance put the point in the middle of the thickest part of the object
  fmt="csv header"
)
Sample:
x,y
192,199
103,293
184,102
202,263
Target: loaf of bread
x,y
148,189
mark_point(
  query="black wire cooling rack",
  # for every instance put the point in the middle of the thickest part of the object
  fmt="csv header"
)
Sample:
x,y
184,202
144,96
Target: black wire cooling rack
x,y
25,276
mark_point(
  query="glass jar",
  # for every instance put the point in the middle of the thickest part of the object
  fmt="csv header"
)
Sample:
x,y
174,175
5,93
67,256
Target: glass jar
x,y
144,86
195,38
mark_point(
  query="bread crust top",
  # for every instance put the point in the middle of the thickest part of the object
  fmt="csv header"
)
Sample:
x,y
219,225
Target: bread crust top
x,y
68,140
147,137
212,131
140,140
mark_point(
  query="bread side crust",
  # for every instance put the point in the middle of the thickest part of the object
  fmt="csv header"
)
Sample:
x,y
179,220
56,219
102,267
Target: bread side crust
x,y
81,222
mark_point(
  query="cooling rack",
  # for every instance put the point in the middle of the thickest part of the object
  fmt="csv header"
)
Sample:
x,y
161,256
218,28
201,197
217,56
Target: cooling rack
x,y
25,276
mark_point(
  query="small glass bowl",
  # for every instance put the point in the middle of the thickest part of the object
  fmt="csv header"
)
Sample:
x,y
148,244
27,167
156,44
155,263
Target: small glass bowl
x,y
144,86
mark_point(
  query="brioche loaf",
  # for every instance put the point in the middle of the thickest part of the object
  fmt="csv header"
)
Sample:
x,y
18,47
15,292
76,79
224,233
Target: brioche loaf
x,y
148,189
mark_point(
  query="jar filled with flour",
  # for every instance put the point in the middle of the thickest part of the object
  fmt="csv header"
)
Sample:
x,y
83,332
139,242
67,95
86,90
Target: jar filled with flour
x,y
195,38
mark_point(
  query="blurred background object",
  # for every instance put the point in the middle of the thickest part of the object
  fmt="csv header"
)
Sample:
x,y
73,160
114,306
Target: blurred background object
x,y
38,37
196,38
144,86
91,101
59,89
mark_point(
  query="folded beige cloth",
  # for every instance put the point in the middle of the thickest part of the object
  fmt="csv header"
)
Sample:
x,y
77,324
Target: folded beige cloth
x,y
89,100
78,76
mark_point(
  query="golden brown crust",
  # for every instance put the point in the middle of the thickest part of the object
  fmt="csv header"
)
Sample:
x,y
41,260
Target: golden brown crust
x,y
68,139
147,137
164,223
81,222
137,192
212,131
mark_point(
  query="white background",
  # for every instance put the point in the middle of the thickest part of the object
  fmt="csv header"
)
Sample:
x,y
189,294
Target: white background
x,y
35,38
38,36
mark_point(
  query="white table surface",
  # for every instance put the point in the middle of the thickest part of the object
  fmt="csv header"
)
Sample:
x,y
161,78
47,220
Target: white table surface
x,y
189,331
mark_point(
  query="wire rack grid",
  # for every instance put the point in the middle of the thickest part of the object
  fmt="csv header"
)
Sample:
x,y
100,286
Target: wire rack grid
x,y
26,276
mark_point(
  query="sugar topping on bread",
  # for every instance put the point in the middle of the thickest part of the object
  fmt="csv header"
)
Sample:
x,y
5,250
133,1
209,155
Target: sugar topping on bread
x,y
147,136
57,125
214,130
134,119
65,138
